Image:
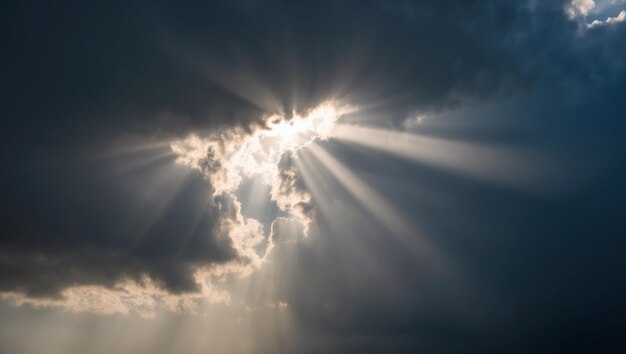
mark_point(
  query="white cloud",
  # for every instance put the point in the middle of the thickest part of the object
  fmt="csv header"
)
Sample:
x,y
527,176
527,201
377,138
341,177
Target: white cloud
x,y
590,14
579,8
621,17
227,156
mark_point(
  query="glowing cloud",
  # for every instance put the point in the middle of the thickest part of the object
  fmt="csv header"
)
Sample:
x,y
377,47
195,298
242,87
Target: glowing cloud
x,y
226,157
144,299
577,8
592,14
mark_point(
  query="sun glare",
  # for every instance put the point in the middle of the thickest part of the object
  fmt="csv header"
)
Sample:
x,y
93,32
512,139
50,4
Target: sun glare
x,y
287,132
301,129
226,157
254,153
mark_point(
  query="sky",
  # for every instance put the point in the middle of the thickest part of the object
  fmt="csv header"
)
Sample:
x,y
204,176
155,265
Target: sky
x,y
313,177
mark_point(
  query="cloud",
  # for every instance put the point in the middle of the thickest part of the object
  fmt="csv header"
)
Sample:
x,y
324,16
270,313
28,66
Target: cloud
x,y
143,299
581,8
228,156
591,14
205,78
285,231
609,21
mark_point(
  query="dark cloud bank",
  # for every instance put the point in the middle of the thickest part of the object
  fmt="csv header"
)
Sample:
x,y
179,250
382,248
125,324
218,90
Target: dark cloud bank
x,y
547,273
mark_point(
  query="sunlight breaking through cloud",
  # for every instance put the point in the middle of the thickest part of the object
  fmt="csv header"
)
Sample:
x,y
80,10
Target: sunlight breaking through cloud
x,y
276,155
225,157
228,156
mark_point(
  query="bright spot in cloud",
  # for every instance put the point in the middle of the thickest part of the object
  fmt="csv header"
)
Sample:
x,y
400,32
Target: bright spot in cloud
x,y
227,156
299,130
577,8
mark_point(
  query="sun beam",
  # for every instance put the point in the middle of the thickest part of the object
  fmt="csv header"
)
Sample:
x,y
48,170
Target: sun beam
x,y
379,208
511,167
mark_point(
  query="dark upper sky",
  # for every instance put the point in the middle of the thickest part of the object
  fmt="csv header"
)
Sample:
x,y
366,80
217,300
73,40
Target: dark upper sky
x,y
542,272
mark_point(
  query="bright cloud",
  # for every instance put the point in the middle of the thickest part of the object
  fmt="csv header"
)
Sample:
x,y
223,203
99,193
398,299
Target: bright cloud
x,y
611,20
145,299
591,14
228,156
579,8
225,157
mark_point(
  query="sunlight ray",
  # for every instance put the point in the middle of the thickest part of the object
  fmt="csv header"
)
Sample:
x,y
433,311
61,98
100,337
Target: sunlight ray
x,y
318,187
378,207
240,79
129,165
129,146
510,167
340,218
163,195
336,216
256,198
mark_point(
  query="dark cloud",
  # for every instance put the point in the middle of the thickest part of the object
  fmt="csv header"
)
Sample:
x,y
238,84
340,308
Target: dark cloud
x,y
96,69
79,224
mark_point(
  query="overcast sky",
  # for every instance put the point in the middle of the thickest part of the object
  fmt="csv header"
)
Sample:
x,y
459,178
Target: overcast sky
x,y
313,177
